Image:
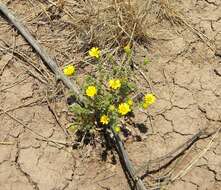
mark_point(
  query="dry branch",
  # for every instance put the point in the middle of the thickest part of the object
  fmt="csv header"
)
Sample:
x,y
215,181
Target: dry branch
x,y
196,158
138,184
158,164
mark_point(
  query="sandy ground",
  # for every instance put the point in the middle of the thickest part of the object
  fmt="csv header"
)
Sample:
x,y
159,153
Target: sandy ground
x,y
185,75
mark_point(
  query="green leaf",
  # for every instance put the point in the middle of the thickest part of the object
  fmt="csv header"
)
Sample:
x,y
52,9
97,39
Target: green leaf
x,y
117,129
72,127
88,127
146,61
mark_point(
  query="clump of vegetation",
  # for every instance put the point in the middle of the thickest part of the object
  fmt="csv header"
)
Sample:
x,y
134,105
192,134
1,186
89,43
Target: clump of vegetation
x,y
108,24
107,94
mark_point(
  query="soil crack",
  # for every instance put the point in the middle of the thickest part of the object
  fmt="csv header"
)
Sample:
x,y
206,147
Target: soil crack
x,y
30,180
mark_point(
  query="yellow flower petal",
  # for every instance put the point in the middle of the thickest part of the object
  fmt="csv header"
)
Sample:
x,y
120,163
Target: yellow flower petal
x,y
130,102
145,105
114,84
69,70
104,119
91,91
94,52
124,108
117,129
149,99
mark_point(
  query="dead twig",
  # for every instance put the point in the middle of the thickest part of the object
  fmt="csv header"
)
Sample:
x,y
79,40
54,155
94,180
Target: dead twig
x,y
144,76
14,84
156,165
9,58
55,141
196,158
32,103
31,73
24,58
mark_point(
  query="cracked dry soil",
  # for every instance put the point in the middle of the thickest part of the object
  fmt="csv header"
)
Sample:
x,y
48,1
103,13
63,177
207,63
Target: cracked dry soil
x,y
185,75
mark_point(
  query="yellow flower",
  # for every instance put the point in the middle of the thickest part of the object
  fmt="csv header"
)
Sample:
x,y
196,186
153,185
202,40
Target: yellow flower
x,y
149,99
114,84
104,119
111,108
130,102
117,129
145,105
124,108
91,91
127,49
69,70
95,52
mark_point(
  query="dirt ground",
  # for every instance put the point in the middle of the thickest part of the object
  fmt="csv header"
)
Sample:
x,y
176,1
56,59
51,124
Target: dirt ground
x,y
185,74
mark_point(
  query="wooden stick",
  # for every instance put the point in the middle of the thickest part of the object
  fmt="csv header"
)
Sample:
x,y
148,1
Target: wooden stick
x,y
73,87
6,143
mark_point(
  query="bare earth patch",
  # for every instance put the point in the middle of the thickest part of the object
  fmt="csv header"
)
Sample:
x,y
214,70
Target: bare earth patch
x,y
185,75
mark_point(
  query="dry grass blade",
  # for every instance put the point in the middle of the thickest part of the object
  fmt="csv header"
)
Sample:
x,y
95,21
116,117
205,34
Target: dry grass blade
x,y
153,166
14,84
31,103
167,11
6,143
159,163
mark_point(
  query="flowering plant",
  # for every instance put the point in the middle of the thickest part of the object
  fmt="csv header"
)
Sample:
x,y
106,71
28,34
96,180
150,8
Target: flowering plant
x,y
107,95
